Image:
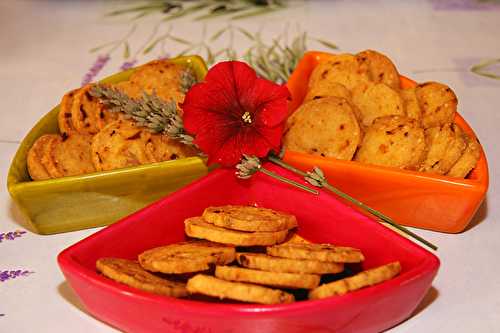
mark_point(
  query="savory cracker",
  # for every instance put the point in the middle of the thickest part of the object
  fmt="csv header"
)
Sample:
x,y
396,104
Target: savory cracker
x,y
381,68
36,169
245,292
162,148
395,141
186,257
437,102
132,274
376,100
273,279
286,265
468,160
320,252
366,278
71,156
64,115
249,218
120,144
445,145
410,103
48,157
325,127
326,88
197,227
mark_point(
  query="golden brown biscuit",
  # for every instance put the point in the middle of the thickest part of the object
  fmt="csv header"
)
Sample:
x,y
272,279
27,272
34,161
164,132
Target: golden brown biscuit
x,y
376,100
249,218
325,127
120,144
162,148
273,279
47,156
381,68
468,160
410,102
366,278
186,257
197,227
395,141
326,88
36,168
321,252
64,115
132,274
287,265
70,156
437,102
445,145
245,292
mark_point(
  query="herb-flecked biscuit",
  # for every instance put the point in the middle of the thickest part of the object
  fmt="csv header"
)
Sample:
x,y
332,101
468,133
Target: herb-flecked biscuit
x,y
395,141
410,102
381,68
132,274
197,227
437,102
468,160
186,257
273,279
245,292
321,252
36,169
326,88
376,100
325,127
287,265
341,68
47,156
162,148
70,156
445,145
249,218
64,115
120,144
366,278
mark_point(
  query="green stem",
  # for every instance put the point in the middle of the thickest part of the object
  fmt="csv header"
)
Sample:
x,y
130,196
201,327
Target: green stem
x,y
288,181
358,203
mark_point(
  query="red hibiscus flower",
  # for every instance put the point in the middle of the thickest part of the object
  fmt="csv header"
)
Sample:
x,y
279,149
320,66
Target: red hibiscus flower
x,y
234,112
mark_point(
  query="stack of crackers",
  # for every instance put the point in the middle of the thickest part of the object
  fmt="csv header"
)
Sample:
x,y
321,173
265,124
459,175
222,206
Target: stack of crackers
x,y
246,254
354,109
92,138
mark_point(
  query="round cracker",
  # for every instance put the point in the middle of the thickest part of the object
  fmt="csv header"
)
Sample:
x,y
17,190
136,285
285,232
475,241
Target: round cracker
x,y
245,292
326,88
366,278
197,227
326,127
273,279
410,103
395,141
437,102
64,116
249,218
321,252
468,160
120,144
376,100
381,68
445,145
36,169
48,157
162,148
186,257
71,156
286,265
132,274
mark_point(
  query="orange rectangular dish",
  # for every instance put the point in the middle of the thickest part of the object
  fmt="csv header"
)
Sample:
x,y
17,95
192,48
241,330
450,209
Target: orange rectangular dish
x,y
411,198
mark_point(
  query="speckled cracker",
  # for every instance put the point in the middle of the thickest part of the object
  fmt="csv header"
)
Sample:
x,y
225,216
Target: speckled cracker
x,y
366,278
410,102
186,257
437,102
445,145
395,141
64,116
325,127
197,227
468,160
132,274
47,156
70,156
273,279
245,292
326,88
249,218
287,265
376,100
381,68
321,252
162,148
36,169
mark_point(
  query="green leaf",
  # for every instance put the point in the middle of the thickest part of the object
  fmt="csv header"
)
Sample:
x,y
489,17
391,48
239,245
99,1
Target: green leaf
x,y
246,33
218,34
126,50
100,47
326,44
485,69
154,5
179,40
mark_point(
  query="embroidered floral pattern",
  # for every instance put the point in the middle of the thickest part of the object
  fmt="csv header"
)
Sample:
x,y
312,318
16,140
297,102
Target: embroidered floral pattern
x,y
11,235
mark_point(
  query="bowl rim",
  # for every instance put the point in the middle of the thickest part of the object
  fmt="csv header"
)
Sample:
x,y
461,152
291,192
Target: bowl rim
x,y
14,182
429,264
478,177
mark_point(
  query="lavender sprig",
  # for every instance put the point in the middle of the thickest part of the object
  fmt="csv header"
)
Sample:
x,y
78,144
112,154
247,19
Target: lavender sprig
x,y
8,275
11,235
98,65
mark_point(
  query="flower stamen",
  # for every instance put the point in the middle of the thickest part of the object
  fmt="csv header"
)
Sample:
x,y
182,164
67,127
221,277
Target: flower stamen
x,y
247,118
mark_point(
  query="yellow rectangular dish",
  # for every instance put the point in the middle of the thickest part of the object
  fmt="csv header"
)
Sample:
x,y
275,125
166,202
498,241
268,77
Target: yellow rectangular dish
x,y
100,198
